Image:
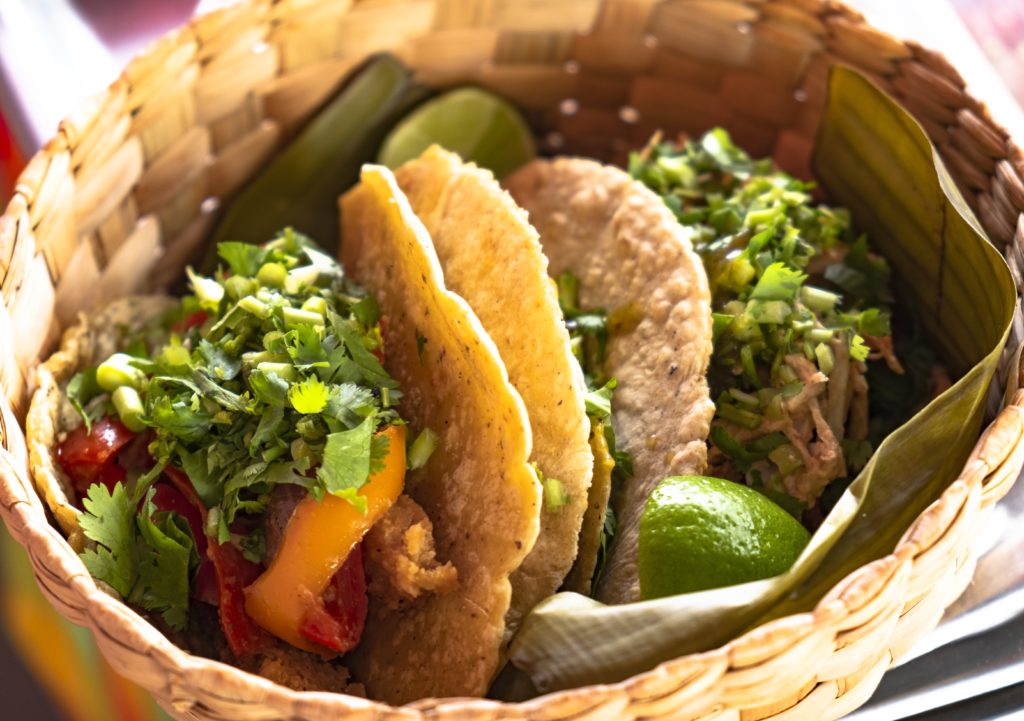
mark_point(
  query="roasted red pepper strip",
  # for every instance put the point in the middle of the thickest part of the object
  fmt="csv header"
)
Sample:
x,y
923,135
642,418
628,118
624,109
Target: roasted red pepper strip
x,y
337,621
234,572
83,455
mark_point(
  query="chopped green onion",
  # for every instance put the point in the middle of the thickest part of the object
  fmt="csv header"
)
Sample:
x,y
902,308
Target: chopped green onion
x,y
826,361
212,524
787,458
207,290
129,408
284,371
253,305
555,495
745,398
295,317
175,355
117,371
749,369
298,278
239,286
272,275
747,419
316,304
818,300
421,449
769,311
819,335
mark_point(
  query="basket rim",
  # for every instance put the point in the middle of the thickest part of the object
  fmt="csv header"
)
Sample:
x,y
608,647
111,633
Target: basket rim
x,y
112,621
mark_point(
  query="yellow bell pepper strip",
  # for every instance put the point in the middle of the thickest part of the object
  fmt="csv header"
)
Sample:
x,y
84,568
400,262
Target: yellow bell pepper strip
x,y
318,538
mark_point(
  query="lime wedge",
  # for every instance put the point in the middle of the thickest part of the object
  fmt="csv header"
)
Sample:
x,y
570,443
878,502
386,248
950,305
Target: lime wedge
x,y
698,533
482,128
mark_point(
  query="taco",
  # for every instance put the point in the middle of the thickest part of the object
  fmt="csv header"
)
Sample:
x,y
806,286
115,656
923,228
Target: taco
x,y
491,256
234,465
477,484
615,245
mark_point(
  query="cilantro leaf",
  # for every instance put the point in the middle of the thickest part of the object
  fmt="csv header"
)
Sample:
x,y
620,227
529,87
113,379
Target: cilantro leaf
x,y
305,348
346,463
221,395
778,282
196,466
179,419
242,258
268,388
268,429
369,367
109,520
367,311
349,403
859,350
308,396
220,365
166,558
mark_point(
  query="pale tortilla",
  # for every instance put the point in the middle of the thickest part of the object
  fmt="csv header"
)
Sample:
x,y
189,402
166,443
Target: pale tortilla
x,y
492,257
632,257
478,487
89,342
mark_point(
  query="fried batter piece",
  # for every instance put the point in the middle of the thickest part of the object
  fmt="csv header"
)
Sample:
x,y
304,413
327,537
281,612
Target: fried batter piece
x,y
401,563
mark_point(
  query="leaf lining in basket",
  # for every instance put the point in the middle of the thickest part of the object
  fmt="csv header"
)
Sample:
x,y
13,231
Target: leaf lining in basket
x,y
875,159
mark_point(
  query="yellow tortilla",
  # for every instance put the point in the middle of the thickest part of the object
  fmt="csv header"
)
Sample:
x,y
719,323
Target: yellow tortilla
x,y
632,257
491,256
478,487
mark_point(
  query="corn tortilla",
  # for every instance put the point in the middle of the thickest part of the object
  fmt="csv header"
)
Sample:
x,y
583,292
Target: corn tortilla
x,y
633,258
477,487
491,256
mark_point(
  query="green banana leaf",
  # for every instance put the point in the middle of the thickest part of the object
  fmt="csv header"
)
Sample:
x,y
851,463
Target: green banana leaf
x,y
873,158
301,185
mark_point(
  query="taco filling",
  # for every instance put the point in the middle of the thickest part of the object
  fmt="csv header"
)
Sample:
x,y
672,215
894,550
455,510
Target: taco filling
x,y
802,315
242,454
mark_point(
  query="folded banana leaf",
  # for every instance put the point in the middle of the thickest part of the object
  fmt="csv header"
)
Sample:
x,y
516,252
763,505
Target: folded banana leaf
x,y
873,158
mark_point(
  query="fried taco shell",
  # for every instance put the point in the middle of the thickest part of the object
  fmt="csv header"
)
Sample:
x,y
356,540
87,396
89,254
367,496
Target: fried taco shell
x,y
477,487
491,256
634,259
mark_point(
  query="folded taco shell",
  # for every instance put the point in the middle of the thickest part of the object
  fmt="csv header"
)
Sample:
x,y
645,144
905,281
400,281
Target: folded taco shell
x,y
633,258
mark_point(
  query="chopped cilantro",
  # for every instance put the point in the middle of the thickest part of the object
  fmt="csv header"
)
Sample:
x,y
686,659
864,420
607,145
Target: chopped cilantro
x,y
789,280
279,376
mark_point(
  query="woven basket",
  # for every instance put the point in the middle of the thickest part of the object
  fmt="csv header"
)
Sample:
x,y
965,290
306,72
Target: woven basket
x,y
126,192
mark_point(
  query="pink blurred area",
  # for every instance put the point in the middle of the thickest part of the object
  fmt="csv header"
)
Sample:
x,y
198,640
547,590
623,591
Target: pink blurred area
x,y
998,27
128,24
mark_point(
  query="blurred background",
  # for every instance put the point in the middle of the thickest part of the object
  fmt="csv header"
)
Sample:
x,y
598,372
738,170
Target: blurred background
x,y
54,54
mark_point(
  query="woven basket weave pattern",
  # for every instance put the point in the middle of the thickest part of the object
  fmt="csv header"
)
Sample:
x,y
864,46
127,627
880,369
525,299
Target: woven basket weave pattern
x,y
127,191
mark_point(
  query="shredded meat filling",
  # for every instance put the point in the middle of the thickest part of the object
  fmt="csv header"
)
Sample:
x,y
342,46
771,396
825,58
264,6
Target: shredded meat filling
x,y
401,564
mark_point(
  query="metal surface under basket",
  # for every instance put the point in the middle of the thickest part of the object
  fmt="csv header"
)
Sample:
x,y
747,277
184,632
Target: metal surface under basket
x,y
128,190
